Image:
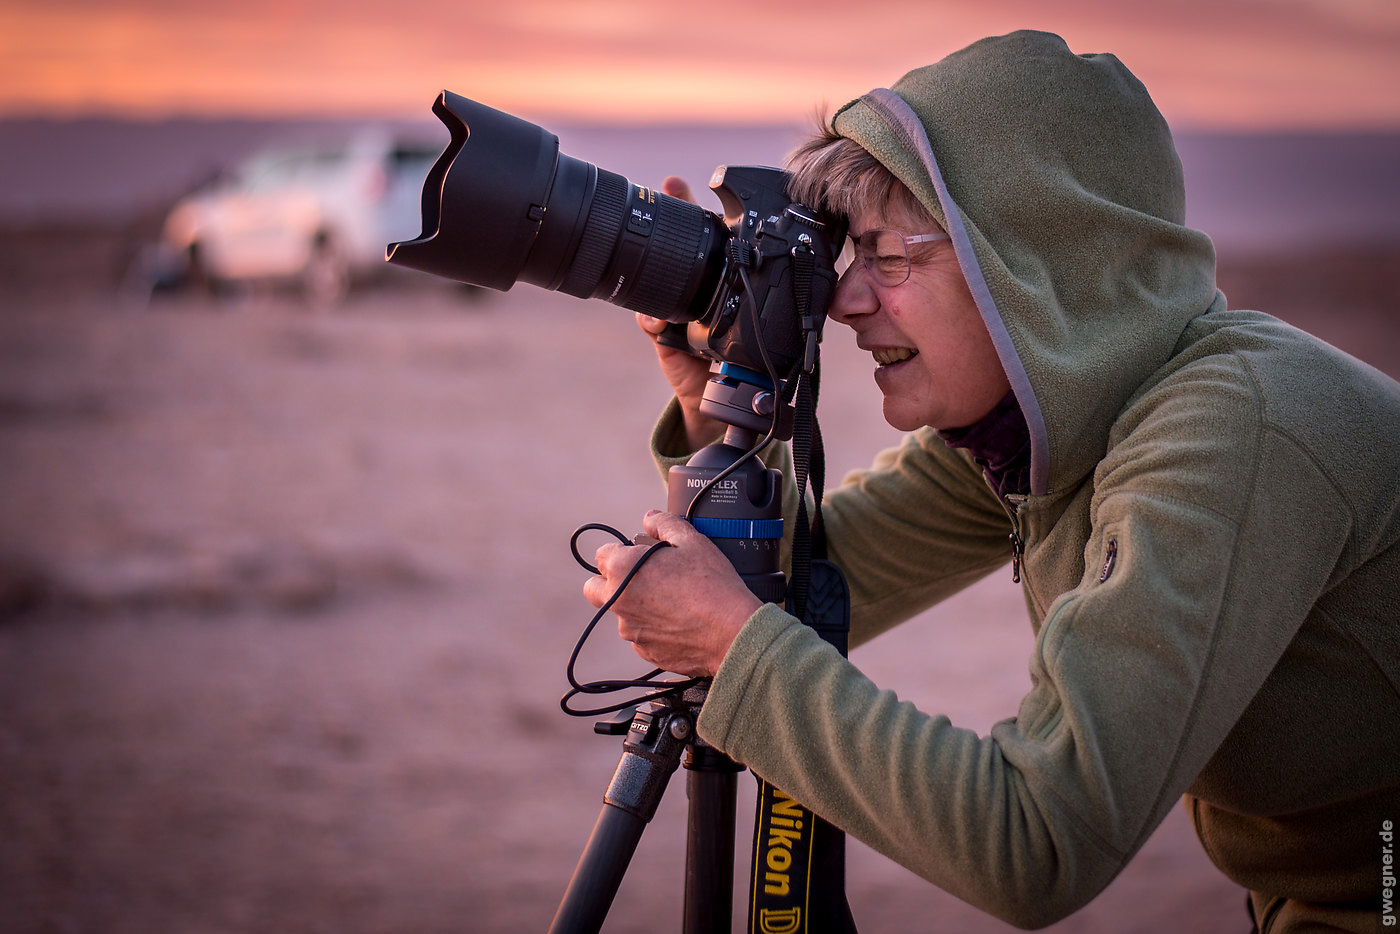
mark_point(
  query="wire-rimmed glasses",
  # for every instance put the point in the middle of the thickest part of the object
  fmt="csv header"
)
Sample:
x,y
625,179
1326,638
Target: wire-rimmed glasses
x,y
884,253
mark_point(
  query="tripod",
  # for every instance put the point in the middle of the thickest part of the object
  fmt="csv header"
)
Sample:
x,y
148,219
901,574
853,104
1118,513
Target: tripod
x,y
656,738
732,498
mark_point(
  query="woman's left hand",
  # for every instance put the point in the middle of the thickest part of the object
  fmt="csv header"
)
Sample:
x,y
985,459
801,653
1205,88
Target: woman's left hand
x,y
684,608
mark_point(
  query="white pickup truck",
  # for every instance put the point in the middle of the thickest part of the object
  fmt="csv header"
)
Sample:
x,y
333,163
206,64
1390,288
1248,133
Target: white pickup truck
x,y
317,215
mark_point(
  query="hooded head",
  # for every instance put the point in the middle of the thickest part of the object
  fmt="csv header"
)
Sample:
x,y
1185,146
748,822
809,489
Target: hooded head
x,y
1057,179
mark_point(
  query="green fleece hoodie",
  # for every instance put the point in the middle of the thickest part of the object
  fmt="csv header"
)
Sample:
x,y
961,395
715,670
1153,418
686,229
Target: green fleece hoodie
x,y
1210,545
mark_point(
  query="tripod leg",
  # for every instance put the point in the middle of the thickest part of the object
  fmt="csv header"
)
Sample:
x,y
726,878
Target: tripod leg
x,y
651,752
709,856
599,872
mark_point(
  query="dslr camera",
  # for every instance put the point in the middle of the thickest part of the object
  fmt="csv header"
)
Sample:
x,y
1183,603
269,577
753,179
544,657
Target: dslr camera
x,y
502,205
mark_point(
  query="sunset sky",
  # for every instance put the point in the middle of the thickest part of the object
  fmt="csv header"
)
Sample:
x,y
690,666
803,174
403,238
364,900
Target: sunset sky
x,y
1253,64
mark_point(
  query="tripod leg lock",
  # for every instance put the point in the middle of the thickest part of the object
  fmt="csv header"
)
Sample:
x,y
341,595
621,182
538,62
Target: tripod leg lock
x,y
650,754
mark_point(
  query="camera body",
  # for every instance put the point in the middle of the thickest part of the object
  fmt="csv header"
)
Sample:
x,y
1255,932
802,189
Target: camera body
x,y
502,205
770,239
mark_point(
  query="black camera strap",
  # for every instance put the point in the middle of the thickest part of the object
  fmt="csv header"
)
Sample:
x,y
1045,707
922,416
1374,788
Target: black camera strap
x,y
798,882
809,460
809,466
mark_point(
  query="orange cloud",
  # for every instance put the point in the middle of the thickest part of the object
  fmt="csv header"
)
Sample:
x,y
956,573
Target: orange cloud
x,y
1298,63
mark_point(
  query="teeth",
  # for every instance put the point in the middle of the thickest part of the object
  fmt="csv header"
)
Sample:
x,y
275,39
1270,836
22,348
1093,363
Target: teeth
x,y
888,355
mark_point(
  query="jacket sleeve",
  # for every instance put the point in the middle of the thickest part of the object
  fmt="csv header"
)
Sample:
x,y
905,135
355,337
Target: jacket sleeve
x,y
1136,679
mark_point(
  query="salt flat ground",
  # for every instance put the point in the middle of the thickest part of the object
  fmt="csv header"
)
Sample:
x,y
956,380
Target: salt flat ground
x,y
287,599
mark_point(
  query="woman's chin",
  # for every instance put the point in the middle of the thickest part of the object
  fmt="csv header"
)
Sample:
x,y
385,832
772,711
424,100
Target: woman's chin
x,y
898,416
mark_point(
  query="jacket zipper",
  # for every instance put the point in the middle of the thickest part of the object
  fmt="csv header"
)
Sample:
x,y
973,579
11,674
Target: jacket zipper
x,y
1018,545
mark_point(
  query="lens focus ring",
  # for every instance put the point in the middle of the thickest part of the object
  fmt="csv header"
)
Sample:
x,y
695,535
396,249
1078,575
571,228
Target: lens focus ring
x,y
599,236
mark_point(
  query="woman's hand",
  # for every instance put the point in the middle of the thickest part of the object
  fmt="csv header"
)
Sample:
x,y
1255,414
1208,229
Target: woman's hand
x,y
686,374
684,608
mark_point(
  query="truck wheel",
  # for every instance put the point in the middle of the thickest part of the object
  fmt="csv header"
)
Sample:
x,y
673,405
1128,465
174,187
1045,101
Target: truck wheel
x,y
326,278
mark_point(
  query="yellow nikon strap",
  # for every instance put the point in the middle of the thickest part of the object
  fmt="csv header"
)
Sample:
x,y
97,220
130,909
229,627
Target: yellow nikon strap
x,y
797,858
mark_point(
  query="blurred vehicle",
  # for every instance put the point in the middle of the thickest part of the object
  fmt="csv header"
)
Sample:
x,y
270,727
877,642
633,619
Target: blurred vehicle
x,y
318,216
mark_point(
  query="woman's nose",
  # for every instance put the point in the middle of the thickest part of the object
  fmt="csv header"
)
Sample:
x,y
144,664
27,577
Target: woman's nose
x,y
854,297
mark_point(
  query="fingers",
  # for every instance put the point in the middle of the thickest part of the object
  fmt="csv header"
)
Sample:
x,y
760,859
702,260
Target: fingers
x,y
595,590
652,326
668,527
615,560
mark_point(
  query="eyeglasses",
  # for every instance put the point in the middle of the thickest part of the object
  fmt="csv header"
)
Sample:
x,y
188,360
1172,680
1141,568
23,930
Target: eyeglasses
x,y
884,253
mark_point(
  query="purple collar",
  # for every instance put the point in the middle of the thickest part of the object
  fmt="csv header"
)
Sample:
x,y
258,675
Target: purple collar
x,y
1000,444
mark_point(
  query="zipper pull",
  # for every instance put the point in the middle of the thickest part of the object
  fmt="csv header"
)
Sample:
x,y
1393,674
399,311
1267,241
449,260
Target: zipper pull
x,y
1017,549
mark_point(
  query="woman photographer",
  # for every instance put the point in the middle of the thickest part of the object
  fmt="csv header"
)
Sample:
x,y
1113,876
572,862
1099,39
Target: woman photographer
x,y
1203,507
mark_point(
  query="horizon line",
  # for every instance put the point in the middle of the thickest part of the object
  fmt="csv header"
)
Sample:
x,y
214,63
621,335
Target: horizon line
x,y
620,121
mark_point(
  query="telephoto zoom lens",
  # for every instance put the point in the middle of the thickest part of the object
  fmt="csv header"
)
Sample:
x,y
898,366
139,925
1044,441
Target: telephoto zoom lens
x,y
502,205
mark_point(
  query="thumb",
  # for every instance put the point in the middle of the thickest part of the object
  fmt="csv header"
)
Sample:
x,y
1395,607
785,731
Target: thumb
x,y
677,188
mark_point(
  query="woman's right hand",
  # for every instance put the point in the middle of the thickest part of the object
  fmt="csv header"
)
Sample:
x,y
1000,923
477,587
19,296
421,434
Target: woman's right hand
x,y
687,374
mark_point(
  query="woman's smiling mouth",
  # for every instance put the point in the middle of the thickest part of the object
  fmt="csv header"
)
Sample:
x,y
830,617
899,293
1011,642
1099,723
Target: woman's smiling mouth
x,y
886,356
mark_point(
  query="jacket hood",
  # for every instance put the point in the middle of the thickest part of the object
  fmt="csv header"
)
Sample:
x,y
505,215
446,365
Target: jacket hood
x,y
1059,183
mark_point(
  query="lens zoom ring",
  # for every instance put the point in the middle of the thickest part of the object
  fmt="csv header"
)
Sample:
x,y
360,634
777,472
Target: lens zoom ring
x,y
675,245
600,234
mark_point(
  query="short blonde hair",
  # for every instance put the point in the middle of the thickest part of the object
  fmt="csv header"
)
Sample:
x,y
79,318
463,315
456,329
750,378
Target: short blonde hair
x,y
836,174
